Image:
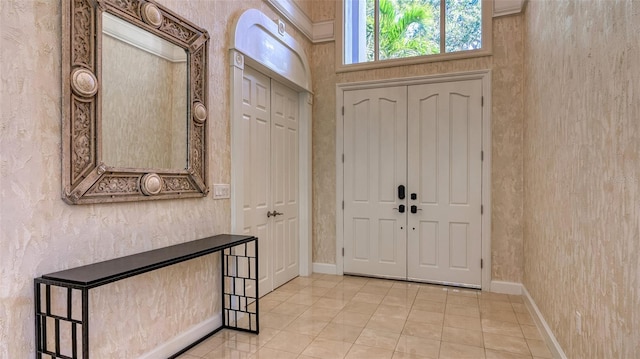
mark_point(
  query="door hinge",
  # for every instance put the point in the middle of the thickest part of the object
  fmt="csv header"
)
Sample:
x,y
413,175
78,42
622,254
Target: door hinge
x,y
343,158
342,110
481,263
343,251
481,209
481,102
342,204
481,156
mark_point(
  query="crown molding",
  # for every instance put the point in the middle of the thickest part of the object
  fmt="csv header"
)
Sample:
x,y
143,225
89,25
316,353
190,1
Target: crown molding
x,y
507,7
316,32
323,31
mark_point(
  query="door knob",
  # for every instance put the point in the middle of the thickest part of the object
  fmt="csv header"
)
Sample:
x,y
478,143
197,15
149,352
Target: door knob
x,y
400,208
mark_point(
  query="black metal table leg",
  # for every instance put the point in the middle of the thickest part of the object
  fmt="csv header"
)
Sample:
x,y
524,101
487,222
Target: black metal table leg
x,y
85,323
38,319
238,302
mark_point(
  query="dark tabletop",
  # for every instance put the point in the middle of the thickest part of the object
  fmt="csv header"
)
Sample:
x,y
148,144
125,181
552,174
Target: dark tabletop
x,y
101,273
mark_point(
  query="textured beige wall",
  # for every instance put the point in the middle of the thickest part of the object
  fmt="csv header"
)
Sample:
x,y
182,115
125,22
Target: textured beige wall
x,y
506,150
39,233
322,10
506,65
306,6
582,172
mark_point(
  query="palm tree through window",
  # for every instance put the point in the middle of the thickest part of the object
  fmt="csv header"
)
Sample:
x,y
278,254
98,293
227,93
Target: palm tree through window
x,y
378,30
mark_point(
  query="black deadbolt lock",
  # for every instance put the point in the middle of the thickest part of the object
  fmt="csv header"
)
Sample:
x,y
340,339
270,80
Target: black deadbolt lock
x,y
401,191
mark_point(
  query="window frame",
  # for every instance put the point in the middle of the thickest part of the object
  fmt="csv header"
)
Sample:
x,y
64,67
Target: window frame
x,y
486,50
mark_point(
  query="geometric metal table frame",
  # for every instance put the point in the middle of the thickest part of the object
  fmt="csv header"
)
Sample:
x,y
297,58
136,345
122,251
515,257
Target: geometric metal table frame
x,y
70,326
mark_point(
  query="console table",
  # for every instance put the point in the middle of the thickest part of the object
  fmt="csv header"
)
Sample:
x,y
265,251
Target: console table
x,y
239,291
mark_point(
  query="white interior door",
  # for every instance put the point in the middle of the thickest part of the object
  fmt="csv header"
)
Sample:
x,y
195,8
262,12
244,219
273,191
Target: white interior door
x,y
256,100
375,148
445,172
429,139
284,179
270,165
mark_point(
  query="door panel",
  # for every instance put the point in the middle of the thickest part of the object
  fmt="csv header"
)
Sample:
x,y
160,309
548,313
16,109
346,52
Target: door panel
x,y
444,237
359,142
458,240
428,149
374,166
388,241
428,246
256,99
459,148
361,239
284,174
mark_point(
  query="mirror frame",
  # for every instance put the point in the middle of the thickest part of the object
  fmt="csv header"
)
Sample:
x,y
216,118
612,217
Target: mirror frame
x,y
85,178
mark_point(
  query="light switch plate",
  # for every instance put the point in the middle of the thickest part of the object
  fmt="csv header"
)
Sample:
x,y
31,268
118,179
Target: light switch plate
x,y
221,191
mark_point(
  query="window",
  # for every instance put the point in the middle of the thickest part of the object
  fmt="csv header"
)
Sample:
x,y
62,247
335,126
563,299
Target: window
x,y
376,31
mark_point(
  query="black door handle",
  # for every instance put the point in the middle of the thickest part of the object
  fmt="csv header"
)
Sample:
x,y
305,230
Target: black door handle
x,y
275,213
400,208
415,209
401,191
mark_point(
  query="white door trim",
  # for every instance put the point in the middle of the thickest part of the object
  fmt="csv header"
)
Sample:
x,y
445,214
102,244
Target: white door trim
x,y
485,76
298,77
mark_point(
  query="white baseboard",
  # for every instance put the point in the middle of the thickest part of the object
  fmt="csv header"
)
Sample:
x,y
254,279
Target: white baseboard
x,y
549,338
182,340
325,268
506,287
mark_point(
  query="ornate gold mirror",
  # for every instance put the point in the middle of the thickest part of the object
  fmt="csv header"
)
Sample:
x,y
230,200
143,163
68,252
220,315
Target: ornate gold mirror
x,y
134,103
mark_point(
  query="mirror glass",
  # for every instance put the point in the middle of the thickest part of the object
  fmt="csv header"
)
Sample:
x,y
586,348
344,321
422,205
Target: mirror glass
x,y
144,98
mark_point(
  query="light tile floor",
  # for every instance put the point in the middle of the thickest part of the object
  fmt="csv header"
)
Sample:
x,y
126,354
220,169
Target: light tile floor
x,y
324,316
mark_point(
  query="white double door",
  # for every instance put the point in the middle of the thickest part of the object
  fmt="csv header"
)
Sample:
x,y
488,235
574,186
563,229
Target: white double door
x,y
270,173
426,138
